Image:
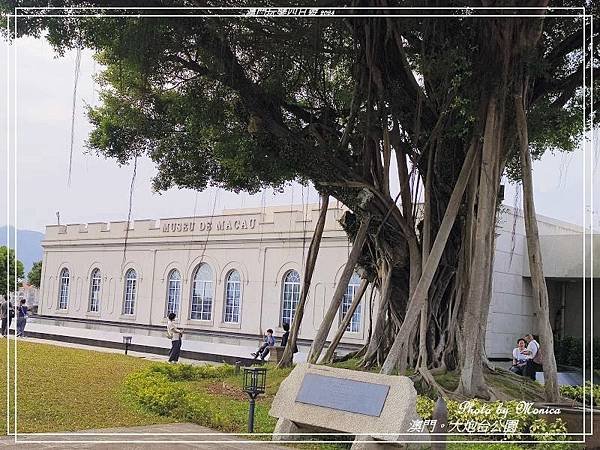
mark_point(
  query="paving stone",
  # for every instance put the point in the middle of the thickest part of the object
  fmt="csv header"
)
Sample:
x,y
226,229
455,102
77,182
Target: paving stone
x,y
171,435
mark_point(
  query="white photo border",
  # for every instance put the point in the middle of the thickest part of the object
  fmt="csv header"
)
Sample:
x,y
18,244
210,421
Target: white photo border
x,y
466,14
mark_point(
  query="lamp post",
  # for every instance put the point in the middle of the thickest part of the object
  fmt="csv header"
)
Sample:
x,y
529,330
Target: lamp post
x,y
126,341
254,384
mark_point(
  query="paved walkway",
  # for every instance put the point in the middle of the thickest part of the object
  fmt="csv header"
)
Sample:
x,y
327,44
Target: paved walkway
x,y
198,347
170,436
148,356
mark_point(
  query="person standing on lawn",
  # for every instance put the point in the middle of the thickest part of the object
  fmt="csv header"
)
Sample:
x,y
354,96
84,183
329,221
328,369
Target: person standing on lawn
x,y
22,315
174,334
7,312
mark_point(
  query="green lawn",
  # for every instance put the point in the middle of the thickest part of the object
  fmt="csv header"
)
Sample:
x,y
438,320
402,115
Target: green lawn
x,y
65,389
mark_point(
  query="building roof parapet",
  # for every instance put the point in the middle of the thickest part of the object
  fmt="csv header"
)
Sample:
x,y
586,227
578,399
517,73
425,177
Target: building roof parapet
x,y
278,220
547,225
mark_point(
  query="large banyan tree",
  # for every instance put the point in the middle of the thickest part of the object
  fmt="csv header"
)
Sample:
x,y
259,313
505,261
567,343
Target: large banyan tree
x,y
449,104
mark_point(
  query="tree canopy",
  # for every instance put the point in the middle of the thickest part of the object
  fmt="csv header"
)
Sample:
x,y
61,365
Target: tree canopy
x,y
244,103
35,274
11,268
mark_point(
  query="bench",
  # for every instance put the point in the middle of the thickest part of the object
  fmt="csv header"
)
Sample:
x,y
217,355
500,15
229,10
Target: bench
x,y
276,353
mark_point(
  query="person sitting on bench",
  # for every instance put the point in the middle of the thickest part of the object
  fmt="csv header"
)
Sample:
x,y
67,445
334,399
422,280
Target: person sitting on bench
x,y
519,358
263,350
534,357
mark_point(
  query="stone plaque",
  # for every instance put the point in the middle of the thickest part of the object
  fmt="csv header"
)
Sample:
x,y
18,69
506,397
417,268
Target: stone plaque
x,y
316,398
345,395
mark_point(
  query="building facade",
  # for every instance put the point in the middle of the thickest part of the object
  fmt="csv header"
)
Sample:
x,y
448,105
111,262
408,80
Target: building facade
x,y
240,273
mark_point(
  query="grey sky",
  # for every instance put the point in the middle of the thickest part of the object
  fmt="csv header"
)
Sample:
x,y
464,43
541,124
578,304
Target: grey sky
x,y
99,189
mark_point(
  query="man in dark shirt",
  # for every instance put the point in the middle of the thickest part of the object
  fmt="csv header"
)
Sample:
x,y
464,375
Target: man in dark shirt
x,y
286,335
7,312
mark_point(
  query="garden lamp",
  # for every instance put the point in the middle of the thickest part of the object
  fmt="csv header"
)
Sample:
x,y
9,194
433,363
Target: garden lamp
x,y
254,384
127,342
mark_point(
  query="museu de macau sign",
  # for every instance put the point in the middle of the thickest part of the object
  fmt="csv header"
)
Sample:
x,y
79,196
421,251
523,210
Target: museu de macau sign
x,y
190,226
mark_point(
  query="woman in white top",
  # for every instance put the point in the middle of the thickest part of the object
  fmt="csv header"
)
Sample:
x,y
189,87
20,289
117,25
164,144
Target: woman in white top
x,y
519,358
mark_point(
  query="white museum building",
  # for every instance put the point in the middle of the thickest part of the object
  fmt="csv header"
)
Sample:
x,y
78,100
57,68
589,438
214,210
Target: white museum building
x,y
239,274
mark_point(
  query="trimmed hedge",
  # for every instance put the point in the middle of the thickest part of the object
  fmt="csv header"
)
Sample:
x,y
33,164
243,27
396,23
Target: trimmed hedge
x,y
188,372
159,389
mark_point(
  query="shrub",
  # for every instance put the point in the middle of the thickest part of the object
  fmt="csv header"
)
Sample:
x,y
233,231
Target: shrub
x,y
548,431
154,392
579,392
158,389
478,411
188,372
425,406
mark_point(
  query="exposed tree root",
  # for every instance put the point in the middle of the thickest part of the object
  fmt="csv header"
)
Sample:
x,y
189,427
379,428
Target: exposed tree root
x,y
426,377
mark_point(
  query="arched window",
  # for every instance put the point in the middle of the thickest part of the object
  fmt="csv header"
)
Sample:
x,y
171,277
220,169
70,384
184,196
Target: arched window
x,y
95,280
130,291
173,292
63,291
202,294
290,294
353,284
233,298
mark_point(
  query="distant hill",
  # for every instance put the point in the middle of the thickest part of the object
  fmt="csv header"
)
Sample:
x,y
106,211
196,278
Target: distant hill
x,y
30,248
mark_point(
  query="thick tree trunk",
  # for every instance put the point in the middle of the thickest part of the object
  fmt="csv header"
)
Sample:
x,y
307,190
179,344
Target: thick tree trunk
x,y
420,295
311,260
345,321
487,296
342,285
540,291
472,382
425,244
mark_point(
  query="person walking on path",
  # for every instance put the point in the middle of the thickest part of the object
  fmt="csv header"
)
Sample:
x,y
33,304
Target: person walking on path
x,y
174,334
7,312
22,315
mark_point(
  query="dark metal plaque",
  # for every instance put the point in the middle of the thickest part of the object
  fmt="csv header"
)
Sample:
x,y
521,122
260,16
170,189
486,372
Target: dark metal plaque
x,y
345,395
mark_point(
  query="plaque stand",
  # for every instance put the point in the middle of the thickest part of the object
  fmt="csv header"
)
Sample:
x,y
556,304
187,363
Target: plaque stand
x,y
285,426
374,444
